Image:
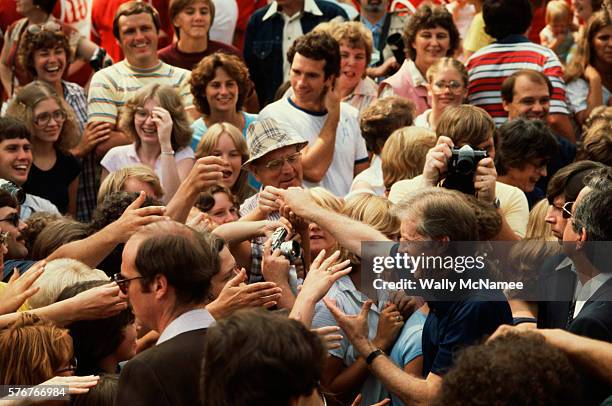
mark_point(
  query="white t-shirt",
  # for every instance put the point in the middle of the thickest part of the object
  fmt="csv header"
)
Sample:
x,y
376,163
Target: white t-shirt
x,y
373,176
226,15
422,120
349,148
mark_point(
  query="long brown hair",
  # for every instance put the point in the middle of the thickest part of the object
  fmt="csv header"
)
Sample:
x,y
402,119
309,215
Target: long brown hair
x,y
32,350
584,54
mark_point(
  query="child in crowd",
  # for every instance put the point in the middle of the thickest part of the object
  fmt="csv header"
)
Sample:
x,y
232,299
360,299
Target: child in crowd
x,y
558,35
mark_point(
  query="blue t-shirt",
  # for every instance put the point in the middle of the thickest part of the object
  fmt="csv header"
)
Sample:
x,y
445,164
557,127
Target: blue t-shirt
x,y
199,127
408,345
451,326
10,264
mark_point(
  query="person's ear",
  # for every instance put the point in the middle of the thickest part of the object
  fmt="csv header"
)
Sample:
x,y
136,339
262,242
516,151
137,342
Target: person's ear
x,y
255,171
505,105
160,286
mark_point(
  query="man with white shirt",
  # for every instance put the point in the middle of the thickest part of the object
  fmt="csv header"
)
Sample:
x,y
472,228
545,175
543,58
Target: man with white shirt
x,y
224,24
166,274
586,238
336,152
270,33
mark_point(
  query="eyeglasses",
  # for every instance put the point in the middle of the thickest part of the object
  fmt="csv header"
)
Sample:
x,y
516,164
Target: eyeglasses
x,y
43,119
567,210
277,164
142,114
123,283
13,219
454,86
72,366
51,26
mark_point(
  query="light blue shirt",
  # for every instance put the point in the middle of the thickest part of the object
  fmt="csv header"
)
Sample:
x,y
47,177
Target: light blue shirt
x,y
199,127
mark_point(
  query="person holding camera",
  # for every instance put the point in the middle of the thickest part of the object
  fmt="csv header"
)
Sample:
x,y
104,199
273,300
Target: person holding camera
x,y
463,159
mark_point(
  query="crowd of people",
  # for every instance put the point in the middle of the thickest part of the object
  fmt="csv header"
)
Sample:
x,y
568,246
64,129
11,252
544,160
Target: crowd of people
x,y
191,192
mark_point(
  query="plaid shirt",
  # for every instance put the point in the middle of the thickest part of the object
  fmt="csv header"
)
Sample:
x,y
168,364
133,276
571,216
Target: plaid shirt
x,y
88,180
257,243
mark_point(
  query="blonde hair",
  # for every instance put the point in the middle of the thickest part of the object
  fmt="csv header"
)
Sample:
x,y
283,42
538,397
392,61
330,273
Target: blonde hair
x,y
447,62
23,105
537,227
355,35
524,260
167,98
324,198
59,274
115,181
466,124
209,142
403,156
32,350
374,211
558,10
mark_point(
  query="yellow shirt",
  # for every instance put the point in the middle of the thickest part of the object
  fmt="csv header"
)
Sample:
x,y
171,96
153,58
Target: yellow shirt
x,y
24,307
476,36
513,202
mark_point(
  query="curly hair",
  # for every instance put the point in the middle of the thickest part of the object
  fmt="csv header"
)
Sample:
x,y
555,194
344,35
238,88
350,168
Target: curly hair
x,y
597,143
36,223
113,206
23,105
320,46
95,339
430,16
205,72
381,118
206,199
167,98
585,54
44,39
511,370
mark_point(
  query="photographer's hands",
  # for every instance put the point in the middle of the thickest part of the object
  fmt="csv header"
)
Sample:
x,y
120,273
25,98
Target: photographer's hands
x,y
436,161
484,180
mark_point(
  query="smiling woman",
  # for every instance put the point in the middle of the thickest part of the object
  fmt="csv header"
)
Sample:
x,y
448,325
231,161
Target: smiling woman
x,y
54,173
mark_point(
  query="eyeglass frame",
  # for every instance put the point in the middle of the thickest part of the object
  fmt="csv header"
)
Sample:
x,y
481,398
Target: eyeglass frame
x,y
123,282
439,86
565,213
72,366
53,115
290,159
13,218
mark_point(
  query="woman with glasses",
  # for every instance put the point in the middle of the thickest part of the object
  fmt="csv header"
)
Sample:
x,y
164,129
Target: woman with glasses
x,y
156,120
54,174
33,351
37,17
429,35
226,141
447,86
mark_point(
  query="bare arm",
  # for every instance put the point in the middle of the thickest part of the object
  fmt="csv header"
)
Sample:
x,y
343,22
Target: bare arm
x,y
595,95
302,204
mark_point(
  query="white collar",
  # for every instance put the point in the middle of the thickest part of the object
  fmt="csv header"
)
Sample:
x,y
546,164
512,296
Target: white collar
x,y
309,7
592,285
192,320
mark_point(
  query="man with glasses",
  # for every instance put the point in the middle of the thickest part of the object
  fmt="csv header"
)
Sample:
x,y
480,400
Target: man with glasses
x,y
166,274
559,273
336,152
16,162
586,240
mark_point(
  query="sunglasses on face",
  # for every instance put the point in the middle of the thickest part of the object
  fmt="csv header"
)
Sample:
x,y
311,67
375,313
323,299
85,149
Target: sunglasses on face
x,y
123,282
12,219
567,210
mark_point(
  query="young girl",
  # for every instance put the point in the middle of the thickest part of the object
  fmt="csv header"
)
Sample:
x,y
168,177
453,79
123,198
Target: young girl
x,y
557,35
54,174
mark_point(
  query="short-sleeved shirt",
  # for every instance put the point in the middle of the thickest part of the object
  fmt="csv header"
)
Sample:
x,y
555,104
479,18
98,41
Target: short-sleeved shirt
x,y
112,87
199,127
349,148
491,65
53,184
513,203
476,37
125,155
451,326
350,300
373,176
577,92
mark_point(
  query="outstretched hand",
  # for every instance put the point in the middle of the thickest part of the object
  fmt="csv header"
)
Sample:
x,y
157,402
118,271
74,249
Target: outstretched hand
x,y
355,327
135,217
19,288
323,274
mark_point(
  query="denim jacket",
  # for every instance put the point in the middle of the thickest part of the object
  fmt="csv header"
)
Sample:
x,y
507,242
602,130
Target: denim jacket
x,y
263,46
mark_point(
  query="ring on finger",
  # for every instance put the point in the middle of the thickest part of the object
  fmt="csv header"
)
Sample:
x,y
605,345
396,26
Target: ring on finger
x,y
398,318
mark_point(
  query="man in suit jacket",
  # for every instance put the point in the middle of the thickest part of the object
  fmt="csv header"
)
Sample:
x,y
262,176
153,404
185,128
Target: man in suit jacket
x,y
586,240
166,274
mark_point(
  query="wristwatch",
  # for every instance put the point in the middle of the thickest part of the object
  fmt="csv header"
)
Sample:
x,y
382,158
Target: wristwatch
x,y
370,358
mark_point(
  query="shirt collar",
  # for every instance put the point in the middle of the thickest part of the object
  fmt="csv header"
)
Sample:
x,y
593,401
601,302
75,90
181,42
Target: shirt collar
x,y
192,320
592,285
513,38
363,88
415,74
309,7
377,25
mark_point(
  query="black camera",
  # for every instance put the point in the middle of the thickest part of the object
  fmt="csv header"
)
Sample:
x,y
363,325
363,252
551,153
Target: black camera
x,y
12,189
461,168
290,249
396,43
